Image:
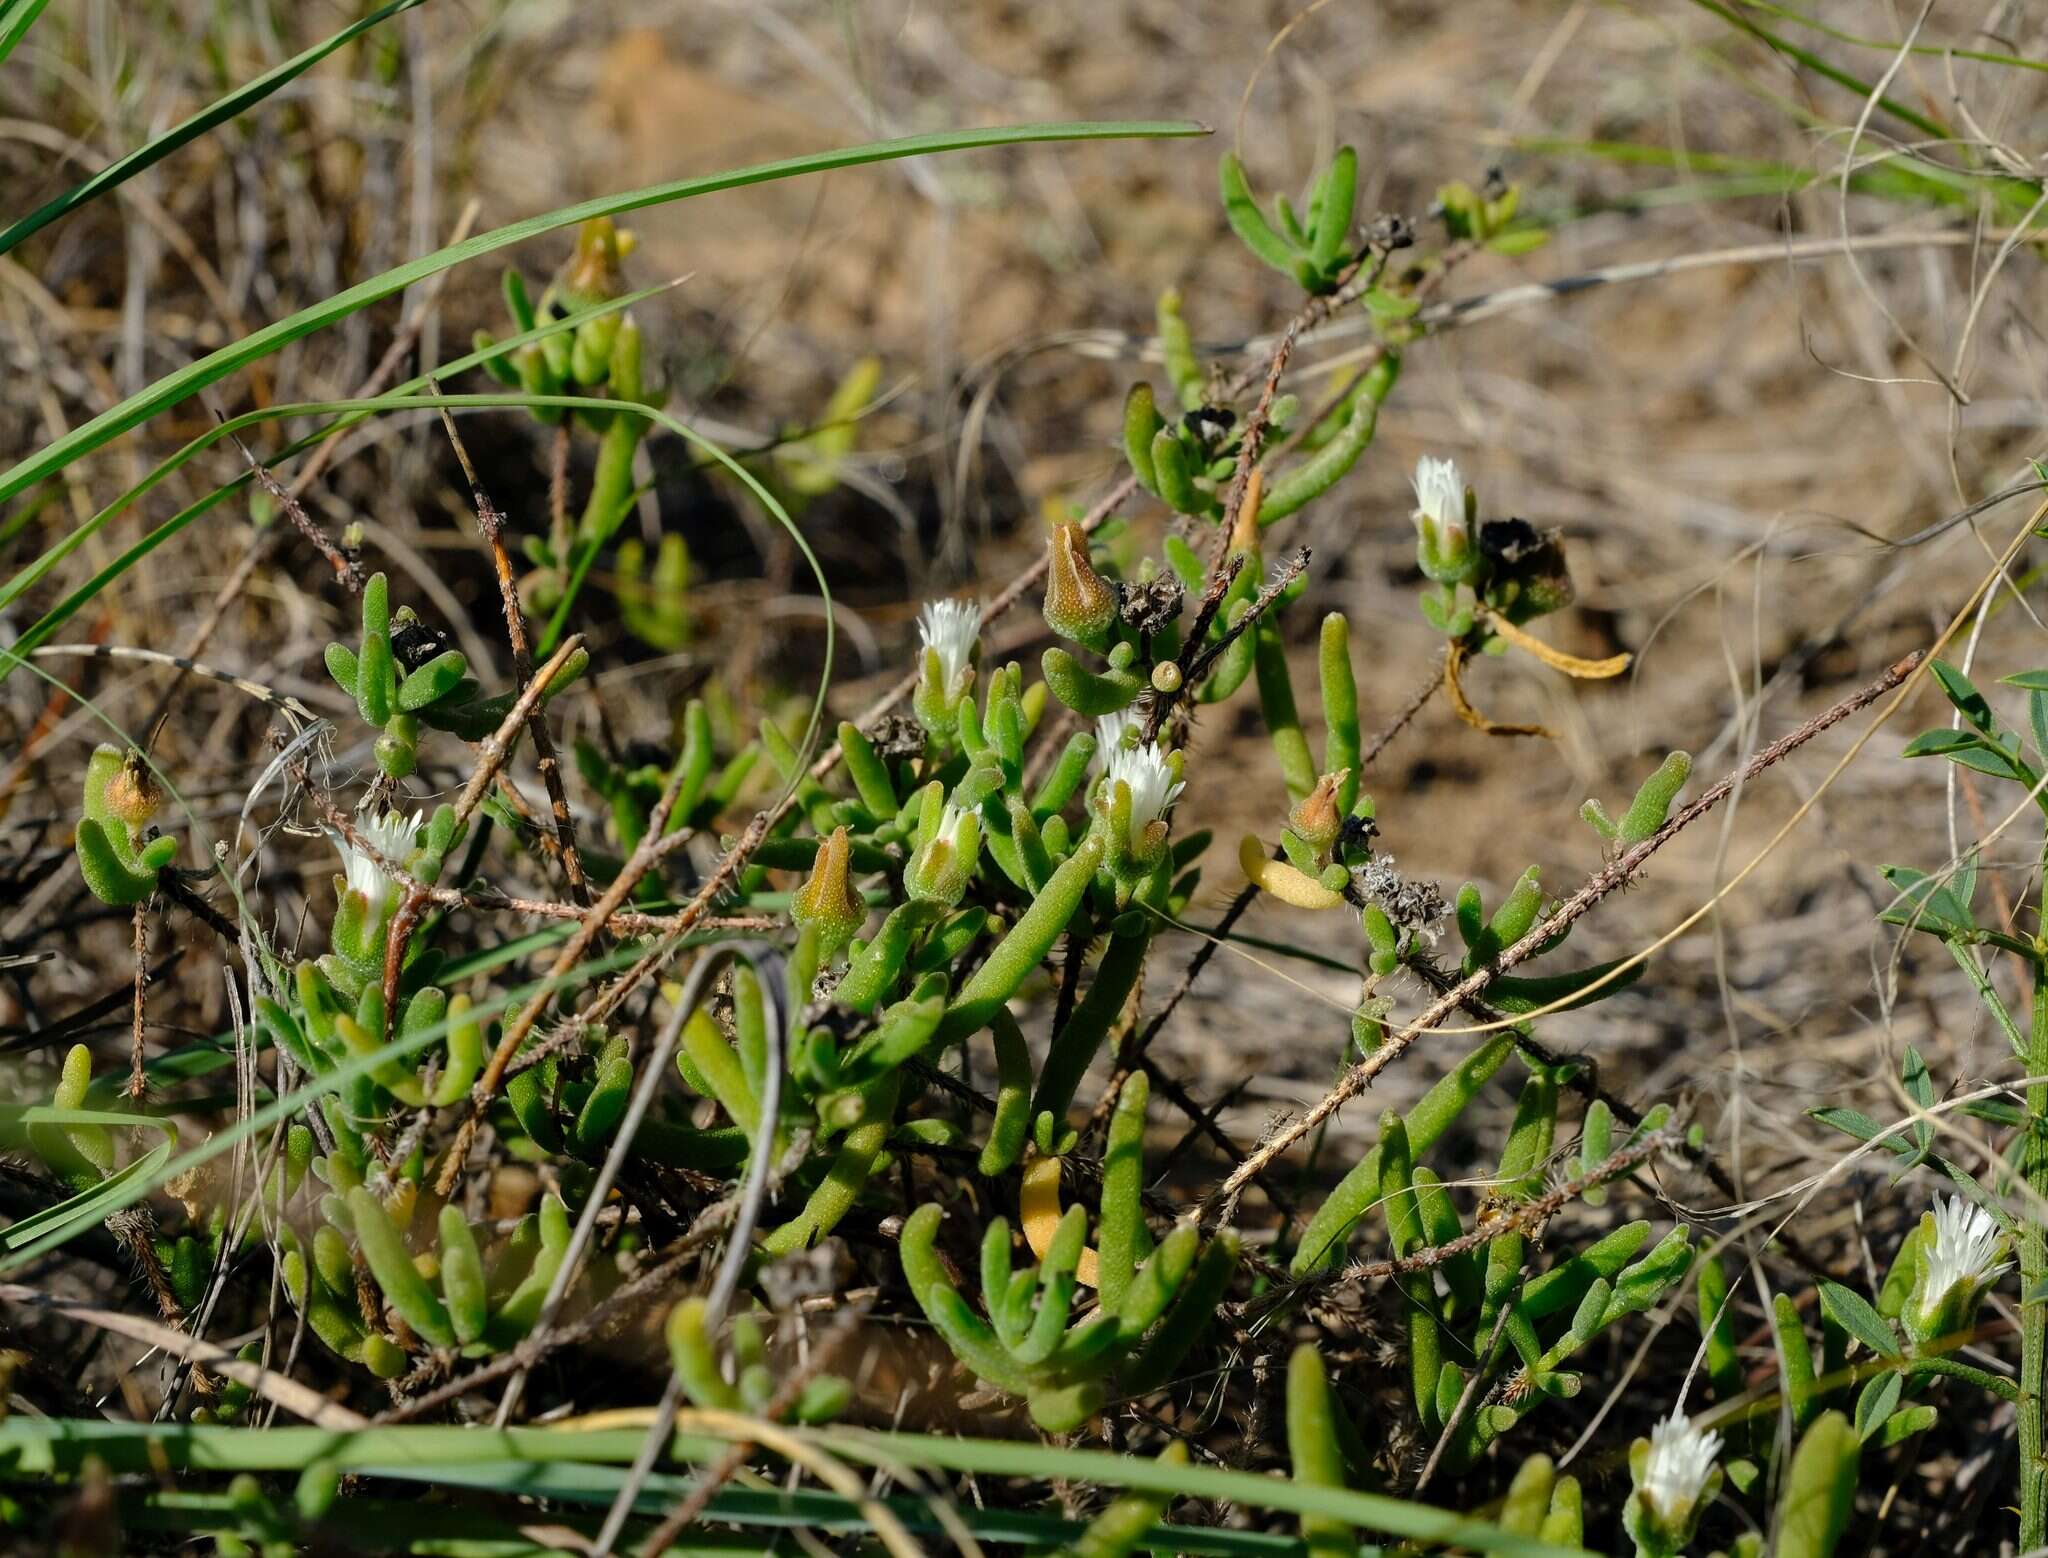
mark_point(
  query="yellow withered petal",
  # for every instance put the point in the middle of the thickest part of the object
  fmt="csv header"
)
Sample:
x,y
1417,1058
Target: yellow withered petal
x,y
1039,1210
1282,880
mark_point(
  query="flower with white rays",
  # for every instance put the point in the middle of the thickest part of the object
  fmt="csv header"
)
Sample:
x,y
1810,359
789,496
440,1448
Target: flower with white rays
x,y
950,628
1675,1473
1109,735
948,631
1439,494
1675,1479
1962,1252
1153,784
390,836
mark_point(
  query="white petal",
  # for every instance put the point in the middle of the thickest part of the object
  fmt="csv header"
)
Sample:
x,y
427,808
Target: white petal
x,y
951,628
1439,491
1681,1456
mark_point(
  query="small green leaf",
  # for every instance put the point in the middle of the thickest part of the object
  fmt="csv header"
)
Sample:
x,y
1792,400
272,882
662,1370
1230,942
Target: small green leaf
x,y
1876,1402
1852,1310
1962,692
433,681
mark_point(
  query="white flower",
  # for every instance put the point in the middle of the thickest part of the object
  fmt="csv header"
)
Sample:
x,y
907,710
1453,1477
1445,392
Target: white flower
x,y
391,836
950,628
1966,1248
1109,736
1439,494
1153,786
1680,1458
951,820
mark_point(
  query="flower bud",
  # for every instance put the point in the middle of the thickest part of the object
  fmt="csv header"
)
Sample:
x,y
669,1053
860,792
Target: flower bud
x,y
948,846
132,794
827,900
1079,603
1443,521
592,274
1315,819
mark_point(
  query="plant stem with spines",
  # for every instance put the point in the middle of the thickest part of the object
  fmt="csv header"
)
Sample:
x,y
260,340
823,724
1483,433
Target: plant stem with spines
x,y
2033,1268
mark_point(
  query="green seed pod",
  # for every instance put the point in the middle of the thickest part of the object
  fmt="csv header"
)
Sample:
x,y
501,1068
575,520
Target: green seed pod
x,y
1122,1219
1026,945
1086,692
1276,702
696,1364
1177,346
1316,1452
1074,1047
1321,471
1340,708
1006,1132
1189,1318
433,681
1247,221
827,902
1119,1529
462,1277
392,1265
1646,813
1176,476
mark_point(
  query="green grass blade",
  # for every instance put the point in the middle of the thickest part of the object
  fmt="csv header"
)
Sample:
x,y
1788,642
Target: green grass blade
x,y
1889,45
16,18
39,632
49,1446
363,410
213,115
174,388
1820,67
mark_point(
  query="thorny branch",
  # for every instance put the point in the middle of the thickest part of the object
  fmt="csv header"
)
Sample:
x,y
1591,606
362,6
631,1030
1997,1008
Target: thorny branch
x,y
1616,873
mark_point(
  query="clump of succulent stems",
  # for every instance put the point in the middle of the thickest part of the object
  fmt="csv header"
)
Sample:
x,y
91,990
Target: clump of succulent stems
x,y
933,1045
